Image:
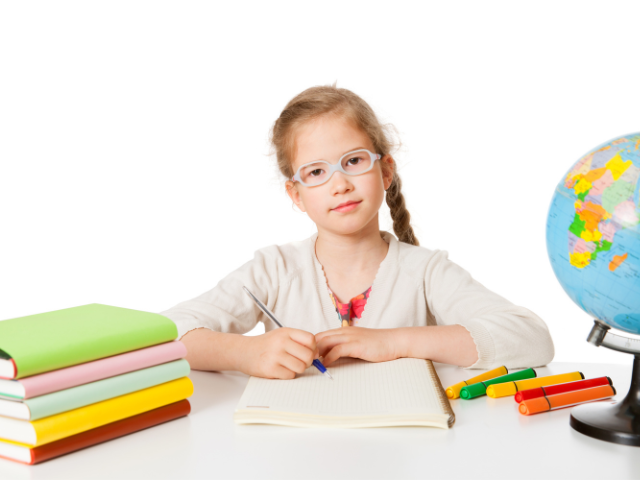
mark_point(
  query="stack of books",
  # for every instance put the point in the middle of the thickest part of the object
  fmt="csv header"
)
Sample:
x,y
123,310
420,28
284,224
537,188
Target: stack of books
x,y
76,377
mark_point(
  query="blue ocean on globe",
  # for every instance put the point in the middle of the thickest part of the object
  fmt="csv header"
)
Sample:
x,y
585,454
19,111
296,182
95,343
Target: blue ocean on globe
x,y
593,233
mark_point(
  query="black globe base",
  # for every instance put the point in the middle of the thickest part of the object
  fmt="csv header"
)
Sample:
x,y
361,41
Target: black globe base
x,y
616,423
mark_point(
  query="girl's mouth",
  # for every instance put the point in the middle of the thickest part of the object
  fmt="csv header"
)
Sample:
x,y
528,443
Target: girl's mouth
x,y
347,208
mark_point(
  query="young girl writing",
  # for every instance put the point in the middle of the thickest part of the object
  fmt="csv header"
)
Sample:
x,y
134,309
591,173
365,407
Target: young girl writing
x,y
351,289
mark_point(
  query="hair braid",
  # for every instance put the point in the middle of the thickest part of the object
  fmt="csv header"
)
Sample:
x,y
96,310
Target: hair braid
x,y
399,213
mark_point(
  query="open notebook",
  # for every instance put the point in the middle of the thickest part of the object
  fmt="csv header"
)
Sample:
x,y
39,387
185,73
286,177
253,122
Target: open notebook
x,y
403,392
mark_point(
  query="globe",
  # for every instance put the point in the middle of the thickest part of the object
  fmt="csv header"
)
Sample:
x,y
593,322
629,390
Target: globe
x,y
593,233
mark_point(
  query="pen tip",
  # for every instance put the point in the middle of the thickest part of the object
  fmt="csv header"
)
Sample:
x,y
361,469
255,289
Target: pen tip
x,y
328,375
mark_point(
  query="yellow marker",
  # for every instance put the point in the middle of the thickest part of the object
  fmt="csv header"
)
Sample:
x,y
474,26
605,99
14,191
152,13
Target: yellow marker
x,y
454,390
511,388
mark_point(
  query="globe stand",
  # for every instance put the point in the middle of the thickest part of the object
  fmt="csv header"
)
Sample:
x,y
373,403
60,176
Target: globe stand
x,y
618,422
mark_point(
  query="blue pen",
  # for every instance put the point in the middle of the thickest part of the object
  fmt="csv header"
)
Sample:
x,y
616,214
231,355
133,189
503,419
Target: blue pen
x,y
316,363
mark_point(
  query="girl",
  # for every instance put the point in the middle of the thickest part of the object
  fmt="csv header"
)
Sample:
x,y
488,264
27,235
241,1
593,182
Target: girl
x,y
351,289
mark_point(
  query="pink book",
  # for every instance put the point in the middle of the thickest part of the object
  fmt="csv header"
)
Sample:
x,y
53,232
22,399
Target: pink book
x,y
64,378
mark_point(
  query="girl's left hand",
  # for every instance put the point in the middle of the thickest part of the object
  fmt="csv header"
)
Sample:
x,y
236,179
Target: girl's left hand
x,y
372,344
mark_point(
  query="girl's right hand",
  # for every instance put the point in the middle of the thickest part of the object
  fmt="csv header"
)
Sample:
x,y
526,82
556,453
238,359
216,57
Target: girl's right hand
x,y
280,353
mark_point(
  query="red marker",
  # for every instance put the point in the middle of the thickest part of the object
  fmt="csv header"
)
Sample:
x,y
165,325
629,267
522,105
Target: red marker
x,y
561,388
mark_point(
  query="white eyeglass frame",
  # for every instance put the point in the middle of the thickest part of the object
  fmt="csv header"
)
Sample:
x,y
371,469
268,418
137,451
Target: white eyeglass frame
x,y
336,167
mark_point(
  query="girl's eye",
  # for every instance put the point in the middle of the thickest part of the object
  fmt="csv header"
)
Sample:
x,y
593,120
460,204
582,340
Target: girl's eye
x,y
316,172
357,159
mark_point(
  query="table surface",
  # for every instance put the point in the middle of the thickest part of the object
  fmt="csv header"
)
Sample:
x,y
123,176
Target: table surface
x,y
207,443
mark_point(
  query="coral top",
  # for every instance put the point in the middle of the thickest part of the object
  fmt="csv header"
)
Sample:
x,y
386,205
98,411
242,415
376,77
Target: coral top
x,y
350,312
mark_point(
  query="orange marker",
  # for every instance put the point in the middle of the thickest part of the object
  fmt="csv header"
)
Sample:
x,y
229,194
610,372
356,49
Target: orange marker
x,y
569,399
561,388
511,388
454,390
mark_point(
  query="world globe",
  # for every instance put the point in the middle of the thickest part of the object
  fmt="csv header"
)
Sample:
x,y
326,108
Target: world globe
x,y
593,233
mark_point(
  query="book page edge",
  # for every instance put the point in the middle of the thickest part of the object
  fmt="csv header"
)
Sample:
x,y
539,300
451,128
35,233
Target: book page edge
x,y
442,396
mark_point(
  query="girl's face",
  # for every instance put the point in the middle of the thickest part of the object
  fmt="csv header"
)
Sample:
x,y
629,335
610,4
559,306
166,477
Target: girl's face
x,y
328,138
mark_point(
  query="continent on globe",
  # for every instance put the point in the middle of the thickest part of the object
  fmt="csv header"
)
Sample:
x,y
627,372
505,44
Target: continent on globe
x,y
604,184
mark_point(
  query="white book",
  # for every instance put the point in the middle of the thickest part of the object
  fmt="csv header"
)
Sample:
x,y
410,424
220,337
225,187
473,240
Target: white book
x,y
402,392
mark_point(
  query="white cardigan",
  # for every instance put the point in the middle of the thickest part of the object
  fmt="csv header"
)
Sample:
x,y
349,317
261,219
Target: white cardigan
x,y
414,286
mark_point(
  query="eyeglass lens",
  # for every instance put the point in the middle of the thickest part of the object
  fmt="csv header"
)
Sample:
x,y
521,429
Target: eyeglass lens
x,y
354,164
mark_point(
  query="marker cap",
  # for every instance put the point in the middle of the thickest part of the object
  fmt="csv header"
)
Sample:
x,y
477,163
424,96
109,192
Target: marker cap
x,y
501,390
527,394
473,391
454,390
534,405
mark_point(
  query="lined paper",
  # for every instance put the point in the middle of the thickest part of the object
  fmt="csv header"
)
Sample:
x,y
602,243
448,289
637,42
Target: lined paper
x,y
404,386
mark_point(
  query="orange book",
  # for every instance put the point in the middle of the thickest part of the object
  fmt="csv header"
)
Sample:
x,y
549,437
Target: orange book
x,y
24,454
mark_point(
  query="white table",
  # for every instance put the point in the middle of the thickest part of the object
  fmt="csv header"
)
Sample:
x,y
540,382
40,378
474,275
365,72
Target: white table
x,y
207,444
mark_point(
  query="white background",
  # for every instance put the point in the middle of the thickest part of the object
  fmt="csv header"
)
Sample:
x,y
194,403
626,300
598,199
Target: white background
x,y
135,167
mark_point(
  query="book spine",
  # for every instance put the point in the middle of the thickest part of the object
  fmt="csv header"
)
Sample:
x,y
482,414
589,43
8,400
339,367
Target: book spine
x,y
71,398
81,374
442,395
110,431
69,423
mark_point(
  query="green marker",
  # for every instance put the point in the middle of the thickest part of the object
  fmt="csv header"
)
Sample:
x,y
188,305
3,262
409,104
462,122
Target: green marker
x,y
478,389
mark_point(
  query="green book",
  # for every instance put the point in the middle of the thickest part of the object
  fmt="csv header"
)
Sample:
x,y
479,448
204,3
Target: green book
x,y
52,340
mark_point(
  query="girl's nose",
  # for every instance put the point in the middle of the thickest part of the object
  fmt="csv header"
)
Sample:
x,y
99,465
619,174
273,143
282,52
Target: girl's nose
x,y
340,182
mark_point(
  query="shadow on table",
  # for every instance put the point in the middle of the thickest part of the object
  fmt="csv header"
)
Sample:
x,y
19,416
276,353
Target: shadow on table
x,y
214,388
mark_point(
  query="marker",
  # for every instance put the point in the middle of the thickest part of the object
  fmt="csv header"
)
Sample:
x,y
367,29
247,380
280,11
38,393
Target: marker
x,y
561,388
454,390
511,388
316,363
568,399
480,388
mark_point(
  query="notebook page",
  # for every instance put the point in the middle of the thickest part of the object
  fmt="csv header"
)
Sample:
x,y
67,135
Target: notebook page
x,y
403,386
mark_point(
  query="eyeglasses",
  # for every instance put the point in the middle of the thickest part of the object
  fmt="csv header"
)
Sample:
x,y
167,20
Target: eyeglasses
x,y
356,162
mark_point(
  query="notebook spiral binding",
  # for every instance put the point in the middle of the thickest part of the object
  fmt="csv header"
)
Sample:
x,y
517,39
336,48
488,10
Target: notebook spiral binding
x,y
442,396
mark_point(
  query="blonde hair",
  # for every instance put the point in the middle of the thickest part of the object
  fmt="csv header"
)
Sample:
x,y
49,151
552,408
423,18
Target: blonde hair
x,y
330,100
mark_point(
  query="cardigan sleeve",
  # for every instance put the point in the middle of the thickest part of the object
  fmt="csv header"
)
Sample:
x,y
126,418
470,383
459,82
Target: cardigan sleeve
x,y
226,307
504,333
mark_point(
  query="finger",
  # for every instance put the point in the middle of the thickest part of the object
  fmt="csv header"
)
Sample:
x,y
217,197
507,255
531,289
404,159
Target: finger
x,y
328,333
292,363
342,350
331,342
282,373
302,353
303,338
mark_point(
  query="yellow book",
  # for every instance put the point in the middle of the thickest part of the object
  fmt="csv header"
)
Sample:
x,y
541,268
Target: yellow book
x,y
55,427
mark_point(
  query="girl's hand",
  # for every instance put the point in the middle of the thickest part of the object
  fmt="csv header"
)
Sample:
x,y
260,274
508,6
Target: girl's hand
x,y
280,353
372,344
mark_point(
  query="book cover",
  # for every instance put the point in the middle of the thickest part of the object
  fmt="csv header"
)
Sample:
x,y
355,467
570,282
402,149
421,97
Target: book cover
x,y
52,340
49,429
69,377
87,394
31,455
